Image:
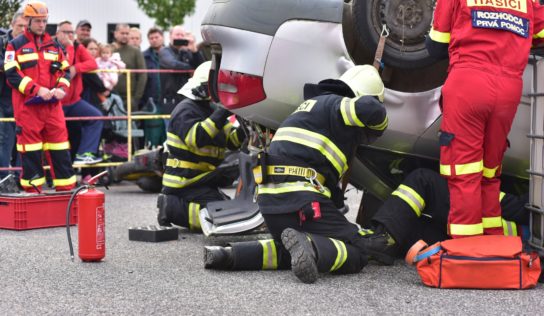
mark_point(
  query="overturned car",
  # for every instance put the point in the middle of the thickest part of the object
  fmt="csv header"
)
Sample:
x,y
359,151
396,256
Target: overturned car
x,y
263,52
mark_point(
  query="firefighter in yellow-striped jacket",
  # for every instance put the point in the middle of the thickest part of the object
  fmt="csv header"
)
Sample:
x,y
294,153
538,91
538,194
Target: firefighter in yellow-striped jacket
x,y
419,209
197,138
298,177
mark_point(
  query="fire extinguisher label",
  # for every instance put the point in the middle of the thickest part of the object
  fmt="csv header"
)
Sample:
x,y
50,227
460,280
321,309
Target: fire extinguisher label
x,y
100,228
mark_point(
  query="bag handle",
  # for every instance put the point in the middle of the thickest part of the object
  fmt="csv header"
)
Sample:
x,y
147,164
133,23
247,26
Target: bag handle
x,y
421,250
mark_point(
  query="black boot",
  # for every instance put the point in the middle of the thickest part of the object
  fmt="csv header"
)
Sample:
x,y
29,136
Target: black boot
x,y
380,245
162,214
218,258
303,257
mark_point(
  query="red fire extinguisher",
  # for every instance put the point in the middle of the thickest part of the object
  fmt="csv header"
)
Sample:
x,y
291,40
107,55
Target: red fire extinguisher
x,y
91,221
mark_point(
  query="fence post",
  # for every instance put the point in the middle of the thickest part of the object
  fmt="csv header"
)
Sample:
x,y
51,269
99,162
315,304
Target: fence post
x,y
129,114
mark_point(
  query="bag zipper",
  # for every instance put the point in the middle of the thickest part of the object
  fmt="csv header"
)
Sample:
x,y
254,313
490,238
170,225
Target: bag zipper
x,y
479,259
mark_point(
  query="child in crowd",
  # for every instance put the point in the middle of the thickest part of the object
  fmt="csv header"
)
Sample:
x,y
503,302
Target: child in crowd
x,y
110,61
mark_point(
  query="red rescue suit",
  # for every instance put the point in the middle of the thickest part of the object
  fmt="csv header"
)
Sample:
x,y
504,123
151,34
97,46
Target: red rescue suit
x,y
32,62
489,42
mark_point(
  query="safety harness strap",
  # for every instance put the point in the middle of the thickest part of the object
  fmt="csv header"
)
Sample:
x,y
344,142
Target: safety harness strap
x,y
176,163
279,170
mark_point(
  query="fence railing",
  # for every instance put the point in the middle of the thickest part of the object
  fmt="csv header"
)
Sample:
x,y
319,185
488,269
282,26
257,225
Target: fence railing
x,y
129,117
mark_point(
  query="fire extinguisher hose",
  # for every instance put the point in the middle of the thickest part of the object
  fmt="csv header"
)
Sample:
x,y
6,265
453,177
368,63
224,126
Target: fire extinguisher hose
x,y
68,208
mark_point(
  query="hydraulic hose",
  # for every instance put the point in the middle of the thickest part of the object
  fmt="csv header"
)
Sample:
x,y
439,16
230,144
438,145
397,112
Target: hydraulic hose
x,y
72,197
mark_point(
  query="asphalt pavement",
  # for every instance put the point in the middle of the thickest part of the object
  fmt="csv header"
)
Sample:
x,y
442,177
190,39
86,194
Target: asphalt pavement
x,y
168,278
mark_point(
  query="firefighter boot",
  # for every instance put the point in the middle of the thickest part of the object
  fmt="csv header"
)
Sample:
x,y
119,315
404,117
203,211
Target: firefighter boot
x,y
164,202
379,245
303,256
218,258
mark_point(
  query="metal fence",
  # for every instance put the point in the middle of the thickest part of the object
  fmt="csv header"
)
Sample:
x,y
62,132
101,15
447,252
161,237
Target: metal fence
x,y
129,117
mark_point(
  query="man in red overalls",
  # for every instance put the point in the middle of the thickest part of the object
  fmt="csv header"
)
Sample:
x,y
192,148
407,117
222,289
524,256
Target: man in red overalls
x,y
488,44
34,65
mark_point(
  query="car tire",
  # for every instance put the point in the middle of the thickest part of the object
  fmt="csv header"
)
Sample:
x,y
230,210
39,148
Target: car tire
x,y
405,45
406,68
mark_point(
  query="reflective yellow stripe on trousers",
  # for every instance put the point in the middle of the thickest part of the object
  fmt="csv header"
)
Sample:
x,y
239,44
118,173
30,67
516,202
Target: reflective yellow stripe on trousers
x,y
492,222
270,254
194,219
36,182
64,182
316,141
56,146
411,197
466,229
342,254
461,169
29,147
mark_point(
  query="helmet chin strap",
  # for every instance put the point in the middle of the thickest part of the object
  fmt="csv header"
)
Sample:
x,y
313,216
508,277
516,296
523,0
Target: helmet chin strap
x,y
201,91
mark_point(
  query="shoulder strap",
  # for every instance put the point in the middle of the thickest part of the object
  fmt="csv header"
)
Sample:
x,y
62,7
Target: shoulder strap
x,y
420,250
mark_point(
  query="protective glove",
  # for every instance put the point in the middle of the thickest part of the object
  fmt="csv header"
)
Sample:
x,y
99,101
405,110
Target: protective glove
x,y
219,116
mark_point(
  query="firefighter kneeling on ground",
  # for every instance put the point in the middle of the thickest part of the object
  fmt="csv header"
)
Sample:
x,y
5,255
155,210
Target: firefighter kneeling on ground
x,y
197,138
298,191
419,209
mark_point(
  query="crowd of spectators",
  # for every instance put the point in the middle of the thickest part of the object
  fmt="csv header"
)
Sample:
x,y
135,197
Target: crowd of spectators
x,y
97,79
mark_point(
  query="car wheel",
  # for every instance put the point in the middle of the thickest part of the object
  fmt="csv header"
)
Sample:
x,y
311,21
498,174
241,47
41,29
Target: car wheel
x,y
367,209
407,64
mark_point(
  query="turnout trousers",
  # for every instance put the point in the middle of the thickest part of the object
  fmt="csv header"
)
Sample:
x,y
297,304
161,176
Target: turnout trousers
x,y
184,205
478,110
419,208
42,128
337,242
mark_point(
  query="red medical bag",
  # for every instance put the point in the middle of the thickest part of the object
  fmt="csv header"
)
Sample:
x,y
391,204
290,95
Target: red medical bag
x,y
479,262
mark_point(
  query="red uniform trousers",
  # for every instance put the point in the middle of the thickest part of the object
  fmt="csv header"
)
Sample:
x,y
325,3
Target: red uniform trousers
x,y
40,128
478,109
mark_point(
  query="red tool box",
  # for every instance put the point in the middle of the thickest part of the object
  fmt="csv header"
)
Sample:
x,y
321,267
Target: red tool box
x,y
20,211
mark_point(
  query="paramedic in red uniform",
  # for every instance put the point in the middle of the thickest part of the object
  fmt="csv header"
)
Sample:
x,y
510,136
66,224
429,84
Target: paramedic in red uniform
x,y
34,66
488,44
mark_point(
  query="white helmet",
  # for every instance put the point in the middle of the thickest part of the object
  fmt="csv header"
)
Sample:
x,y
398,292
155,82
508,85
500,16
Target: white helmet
x,y
199,77
364,80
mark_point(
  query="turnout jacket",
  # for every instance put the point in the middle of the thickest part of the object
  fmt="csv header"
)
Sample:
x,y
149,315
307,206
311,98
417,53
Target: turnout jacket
x,y
27,64
197,138
320,135
493,35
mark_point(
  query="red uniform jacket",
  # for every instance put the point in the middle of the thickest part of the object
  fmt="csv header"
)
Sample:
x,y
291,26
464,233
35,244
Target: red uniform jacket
x,y
481,33
82,60
27,64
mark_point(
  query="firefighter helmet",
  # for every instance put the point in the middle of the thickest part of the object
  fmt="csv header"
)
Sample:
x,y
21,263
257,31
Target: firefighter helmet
x,y
196,88
364,80
35,9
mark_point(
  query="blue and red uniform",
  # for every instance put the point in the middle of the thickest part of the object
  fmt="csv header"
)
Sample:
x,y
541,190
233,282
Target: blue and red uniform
x,y
32,62
488,46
